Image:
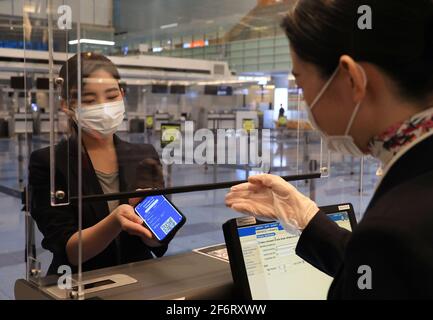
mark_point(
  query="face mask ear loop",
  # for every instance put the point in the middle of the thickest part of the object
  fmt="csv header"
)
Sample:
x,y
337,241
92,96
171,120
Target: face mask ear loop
x,y
325,87
355,112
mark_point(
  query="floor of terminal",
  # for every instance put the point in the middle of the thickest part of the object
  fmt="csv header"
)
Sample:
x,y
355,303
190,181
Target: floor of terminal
x,y
205,210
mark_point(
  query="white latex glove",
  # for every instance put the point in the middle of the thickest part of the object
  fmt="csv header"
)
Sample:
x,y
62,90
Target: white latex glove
x,y
269,197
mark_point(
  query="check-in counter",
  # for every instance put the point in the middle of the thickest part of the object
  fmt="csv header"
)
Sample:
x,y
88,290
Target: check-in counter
x,y
45,123
171,277
221,121
23,123
161,118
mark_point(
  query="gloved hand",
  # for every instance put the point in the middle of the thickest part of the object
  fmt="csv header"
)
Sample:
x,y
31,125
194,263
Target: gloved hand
x,y
267,197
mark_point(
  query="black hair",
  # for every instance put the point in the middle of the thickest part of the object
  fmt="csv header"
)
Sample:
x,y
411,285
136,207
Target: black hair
x,y
90,62
400,41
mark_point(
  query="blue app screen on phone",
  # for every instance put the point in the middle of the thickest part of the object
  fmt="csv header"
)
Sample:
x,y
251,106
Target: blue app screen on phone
x,y
159,215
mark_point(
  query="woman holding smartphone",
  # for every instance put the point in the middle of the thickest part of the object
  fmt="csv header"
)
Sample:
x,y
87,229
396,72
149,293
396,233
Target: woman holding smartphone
x,y
112,233
369,91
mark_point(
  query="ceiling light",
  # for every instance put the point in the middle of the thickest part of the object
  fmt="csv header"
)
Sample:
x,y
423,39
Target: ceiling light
x,y
93,41
171,25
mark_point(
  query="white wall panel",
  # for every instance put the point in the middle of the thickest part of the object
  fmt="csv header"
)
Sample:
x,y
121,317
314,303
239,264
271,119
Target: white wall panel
x,y
5,7
99,12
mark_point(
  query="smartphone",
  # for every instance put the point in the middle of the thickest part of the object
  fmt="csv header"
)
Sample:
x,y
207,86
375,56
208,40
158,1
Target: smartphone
x,y
160,216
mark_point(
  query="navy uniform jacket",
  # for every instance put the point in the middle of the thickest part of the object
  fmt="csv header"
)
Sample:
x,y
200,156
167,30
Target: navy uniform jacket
x,y
394,238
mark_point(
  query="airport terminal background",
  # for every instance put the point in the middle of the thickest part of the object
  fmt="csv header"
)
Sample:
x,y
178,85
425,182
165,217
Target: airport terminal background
x,y
245,58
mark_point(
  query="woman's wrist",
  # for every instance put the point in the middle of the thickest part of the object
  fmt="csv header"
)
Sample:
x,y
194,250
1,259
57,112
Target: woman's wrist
x,y
113,219
310,213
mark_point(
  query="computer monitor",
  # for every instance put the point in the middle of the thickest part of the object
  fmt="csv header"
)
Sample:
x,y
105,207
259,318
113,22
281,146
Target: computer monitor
x,y
264,263
177,89
160,88
225,91
42,83
218,90
211,90
18,83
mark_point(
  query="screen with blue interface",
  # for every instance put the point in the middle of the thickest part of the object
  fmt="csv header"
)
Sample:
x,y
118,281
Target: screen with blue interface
x,y
274,270
159,215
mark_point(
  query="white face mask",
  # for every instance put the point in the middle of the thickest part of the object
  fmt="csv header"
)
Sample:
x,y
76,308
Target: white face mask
x,y
343,144
103,118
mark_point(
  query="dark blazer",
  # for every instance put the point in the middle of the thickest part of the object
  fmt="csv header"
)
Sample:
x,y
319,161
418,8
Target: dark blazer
x,y
394,238
139,167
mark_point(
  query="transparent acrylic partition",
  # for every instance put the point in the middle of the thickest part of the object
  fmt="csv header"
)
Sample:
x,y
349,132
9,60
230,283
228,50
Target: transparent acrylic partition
x,y
306,151
23,130
193,117
189,122
48,27
312,154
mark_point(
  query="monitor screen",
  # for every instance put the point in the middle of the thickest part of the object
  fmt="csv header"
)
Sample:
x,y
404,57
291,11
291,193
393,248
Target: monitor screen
x,y
42,83
18,83
218,90
211,90
224,91
270,261
177,89
160,88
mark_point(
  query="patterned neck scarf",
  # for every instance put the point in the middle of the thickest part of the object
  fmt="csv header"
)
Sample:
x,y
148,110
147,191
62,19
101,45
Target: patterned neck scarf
x,y
386,145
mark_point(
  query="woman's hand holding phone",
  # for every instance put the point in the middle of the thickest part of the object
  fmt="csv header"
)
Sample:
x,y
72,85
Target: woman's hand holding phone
x,y
132,224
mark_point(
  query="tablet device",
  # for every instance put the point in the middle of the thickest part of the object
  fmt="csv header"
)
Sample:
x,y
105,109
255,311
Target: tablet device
x,y
264,263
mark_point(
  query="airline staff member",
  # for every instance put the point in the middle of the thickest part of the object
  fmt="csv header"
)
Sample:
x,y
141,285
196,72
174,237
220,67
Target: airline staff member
x,y
369,91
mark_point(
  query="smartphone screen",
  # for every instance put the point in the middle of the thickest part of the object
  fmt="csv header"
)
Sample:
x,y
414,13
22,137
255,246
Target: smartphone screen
x,y
160,216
